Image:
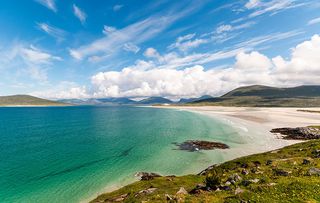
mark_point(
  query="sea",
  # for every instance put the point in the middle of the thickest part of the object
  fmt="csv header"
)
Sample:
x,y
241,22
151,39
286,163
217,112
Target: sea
x,y
72,154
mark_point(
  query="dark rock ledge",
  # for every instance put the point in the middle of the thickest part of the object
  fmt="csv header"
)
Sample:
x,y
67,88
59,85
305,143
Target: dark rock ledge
x,y
196,145
301,133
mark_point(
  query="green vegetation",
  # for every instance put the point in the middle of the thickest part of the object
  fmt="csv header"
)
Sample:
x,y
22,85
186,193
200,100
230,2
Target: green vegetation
x,y
26,100
290,174
263,96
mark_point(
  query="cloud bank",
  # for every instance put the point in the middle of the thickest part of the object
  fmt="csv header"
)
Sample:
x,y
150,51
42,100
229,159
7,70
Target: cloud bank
x,y
146,79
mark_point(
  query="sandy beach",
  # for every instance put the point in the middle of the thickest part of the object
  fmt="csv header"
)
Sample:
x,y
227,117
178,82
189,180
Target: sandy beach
x,y
255,123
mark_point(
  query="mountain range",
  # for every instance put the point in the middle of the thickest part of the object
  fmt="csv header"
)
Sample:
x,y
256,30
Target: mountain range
x,y
256,95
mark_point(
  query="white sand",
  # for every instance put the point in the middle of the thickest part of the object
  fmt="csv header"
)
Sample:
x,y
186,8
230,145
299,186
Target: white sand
x,y
254,125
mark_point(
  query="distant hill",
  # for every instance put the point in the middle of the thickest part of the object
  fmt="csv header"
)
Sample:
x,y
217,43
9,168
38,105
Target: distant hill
x,y
184,100
27,100
265,91
264,96
155,100
120,100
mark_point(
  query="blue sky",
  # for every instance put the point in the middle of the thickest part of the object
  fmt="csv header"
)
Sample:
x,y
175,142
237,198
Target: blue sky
x,y
82,49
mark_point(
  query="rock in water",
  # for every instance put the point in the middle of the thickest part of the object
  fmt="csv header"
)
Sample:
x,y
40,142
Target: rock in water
x,y
196,145
304,133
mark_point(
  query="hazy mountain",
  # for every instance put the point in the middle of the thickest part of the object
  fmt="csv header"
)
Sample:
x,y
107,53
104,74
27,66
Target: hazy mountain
x,y
155,100
184,100
27,100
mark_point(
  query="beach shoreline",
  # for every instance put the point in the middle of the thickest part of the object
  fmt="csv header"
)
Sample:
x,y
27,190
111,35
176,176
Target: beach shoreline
x,y
259,121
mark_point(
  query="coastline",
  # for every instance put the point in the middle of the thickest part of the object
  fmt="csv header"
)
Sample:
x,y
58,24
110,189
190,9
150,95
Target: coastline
x,y
256,120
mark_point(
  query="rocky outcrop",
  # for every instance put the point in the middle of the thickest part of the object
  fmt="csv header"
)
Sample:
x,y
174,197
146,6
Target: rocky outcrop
x,y
147,175
196,145
302,133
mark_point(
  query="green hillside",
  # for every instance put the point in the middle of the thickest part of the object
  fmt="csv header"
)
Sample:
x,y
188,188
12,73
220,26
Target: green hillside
x,y
291,174
264,96
26,100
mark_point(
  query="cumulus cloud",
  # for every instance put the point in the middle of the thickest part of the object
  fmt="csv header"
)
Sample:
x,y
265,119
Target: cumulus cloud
x,y
303,67
80,14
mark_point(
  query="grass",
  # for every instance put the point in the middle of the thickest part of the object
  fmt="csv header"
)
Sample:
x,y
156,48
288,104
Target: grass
x,y
298,186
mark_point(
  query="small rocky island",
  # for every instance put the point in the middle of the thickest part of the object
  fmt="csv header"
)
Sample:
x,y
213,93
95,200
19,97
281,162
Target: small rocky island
x,y
301,133
197,145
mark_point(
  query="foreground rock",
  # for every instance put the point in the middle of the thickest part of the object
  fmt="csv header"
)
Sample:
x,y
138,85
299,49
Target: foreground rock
x,y
196,145
147,175
302,133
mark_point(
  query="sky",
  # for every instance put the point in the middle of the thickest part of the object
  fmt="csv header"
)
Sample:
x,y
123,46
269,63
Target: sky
x,y
131,48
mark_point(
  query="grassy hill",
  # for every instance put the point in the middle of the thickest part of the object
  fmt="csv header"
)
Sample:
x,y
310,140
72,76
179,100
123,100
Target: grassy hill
x,y
290,174
264,96
26,100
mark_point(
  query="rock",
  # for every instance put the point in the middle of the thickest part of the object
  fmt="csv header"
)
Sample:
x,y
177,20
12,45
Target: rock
x,y
234,178
245,182
271,184
146,192
269,162
316,153
244,172
196,145
198,189
306,161
146,175
280,172
182,191
314,171
238,191
120,198
302,133
228,183
168,197
225,188
256,180
257,163
205,171
244,165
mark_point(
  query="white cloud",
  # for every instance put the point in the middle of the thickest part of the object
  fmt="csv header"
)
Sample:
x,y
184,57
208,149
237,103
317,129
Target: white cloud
x,y
81,15
303,67
108,30
55,32
130,47
184,43
36,56
117,7
63,90
314,21
223,28
135,33
273,6
50,4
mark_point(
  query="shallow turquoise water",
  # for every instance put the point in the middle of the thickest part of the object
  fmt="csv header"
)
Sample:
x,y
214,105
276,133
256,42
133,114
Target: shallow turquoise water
x,y
70,154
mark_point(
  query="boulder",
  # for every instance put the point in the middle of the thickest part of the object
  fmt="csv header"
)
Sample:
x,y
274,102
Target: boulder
x,y
314,171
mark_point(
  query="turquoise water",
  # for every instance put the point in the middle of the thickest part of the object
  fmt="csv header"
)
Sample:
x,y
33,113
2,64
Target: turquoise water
x,y
70,154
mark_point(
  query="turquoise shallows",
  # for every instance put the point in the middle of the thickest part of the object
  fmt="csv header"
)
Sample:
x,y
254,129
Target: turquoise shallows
x,y
71,154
